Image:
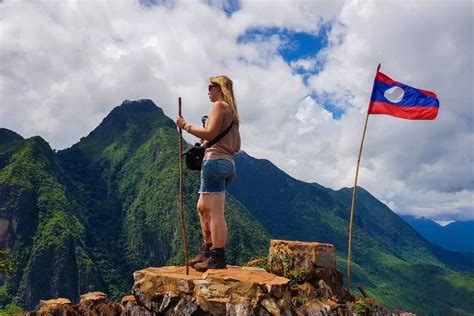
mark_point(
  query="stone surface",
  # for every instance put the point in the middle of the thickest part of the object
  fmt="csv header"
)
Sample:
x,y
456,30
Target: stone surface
x,y
314,308
239,291
304,290
56,301
96,303
130,307
304,255
93,298
239,309
185,306
328,282
271,306
58,306
312,262
215,292
93,303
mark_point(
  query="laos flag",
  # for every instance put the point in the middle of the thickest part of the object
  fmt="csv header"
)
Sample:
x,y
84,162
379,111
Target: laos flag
x,y
397,99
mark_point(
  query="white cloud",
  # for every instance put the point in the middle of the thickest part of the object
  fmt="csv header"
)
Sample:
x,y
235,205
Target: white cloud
x,y
306,64
66,64
417,167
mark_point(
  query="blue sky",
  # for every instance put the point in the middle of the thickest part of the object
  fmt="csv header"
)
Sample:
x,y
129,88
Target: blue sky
x,y
303,72
296,46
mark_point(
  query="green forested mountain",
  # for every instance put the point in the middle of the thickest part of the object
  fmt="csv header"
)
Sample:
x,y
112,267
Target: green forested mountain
x,y
86,217
390,259
42,225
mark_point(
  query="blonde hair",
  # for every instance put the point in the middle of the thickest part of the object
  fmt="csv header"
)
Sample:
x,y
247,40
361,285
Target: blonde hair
x,y
227,90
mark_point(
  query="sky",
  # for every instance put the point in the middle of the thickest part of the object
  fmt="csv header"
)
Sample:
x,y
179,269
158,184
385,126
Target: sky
x,y
303,73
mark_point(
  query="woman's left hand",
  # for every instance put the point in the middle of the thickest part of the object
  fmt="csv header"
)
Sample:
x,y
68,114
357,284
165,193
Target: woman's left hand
x,y
180,121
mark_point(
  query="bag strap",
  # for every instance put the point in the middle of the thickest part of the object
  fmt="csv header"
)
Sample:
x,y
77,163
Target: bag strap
x,y
220,136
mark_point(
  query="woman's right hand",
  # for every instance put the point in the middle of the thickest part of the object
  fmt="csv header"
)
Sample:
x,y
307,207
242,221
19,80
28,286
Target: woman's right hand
x,y
180,122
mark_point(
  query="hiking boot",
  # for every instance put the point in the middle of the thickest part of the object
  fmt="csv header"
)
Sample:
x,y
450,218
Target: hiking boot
x,y
205,253
215,261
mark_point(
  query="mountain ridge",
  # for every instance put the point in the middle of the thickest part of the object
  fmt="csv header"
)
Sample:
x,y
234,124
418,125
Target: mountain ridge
x,y
339,201
7,137
456,236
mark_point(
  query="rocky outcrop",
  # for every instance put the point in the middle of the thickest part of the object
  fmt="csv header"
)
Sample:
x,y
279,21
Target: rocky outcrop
x,y
304,255
231,291
300,278
130,307
59,306
93,303
309,263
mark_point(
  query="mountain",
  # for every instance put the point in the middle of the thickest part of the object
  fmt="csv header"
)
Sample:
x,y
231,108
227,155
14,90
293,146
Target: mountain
x,y
8,139
86,217
41,225
456,236
390,259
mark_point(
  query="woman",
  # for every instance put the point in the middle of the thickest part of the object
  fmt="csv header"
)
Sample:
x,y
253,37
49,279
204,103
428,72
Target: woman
x,y
218,171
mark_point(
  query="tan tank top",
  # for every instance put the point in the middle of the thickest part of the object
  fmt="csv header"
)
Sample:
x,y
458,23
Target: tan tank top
x,y
229,144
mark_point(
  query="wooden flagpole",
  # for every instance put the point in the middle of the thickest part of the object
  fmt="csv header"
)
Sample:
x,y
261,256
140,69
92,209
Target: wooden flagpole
x,y
353,200
181,191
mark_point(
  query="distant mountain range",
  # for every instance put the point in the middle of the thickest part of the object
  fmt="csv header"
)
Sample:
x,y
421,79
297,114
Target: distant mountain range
x,y
86,217
456,236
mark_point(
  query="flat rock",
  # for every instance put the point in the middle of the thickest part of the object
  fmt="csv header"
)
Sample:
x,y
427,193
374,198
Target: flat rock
x,y
128,299
216,291
58,306
97,303
304,255
56,301
93,297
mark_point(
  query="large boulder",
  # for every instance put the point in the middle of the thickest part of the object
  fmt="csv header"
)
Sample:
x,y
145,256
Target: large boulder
x,y
58,306
93,303
231,291
301,255
311,262
96,303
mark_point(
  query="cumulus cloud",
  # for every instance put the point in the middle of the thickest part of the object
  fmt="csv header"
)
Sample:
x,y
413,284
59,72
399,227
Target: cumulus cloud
x,y
305,64
66,64
417,167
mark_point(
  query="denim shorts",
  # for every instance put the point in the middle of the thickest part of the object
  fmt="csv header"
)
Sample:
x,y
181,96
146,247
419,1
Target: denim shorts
x,y
216,175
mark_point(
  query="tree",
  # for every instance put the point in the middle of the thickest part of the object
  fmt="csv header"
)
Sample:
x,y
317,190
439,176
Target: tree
x,y
5,263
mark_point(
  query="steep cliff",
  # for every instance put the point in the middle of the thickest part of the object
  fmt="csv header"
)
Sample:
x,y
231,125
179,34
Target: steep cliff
x,y
42,226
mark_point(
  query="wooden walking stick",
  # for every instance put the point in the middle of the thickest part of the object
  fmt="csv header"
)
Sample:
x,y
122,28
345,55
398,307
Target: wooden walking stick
x,y
181,193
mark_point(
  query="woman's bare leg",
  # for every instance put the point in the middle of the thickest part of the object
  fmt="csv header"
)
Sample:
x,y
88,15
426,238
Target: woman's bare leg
x,y
215,205
205,219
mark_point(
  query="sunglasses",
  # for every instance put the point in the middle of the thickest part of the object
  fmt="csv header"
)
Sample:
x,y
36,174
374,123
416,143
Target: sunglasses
x,y
212,85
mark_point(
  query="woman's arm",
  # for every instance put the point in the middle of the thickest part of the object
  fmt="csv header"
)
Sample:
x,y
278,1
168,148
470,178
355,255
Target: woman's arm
x,y
213,126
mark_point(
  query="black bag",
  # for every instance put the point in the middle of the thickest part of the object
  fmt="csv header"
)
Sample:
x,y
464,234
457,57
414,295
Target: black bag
x,y
195,154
